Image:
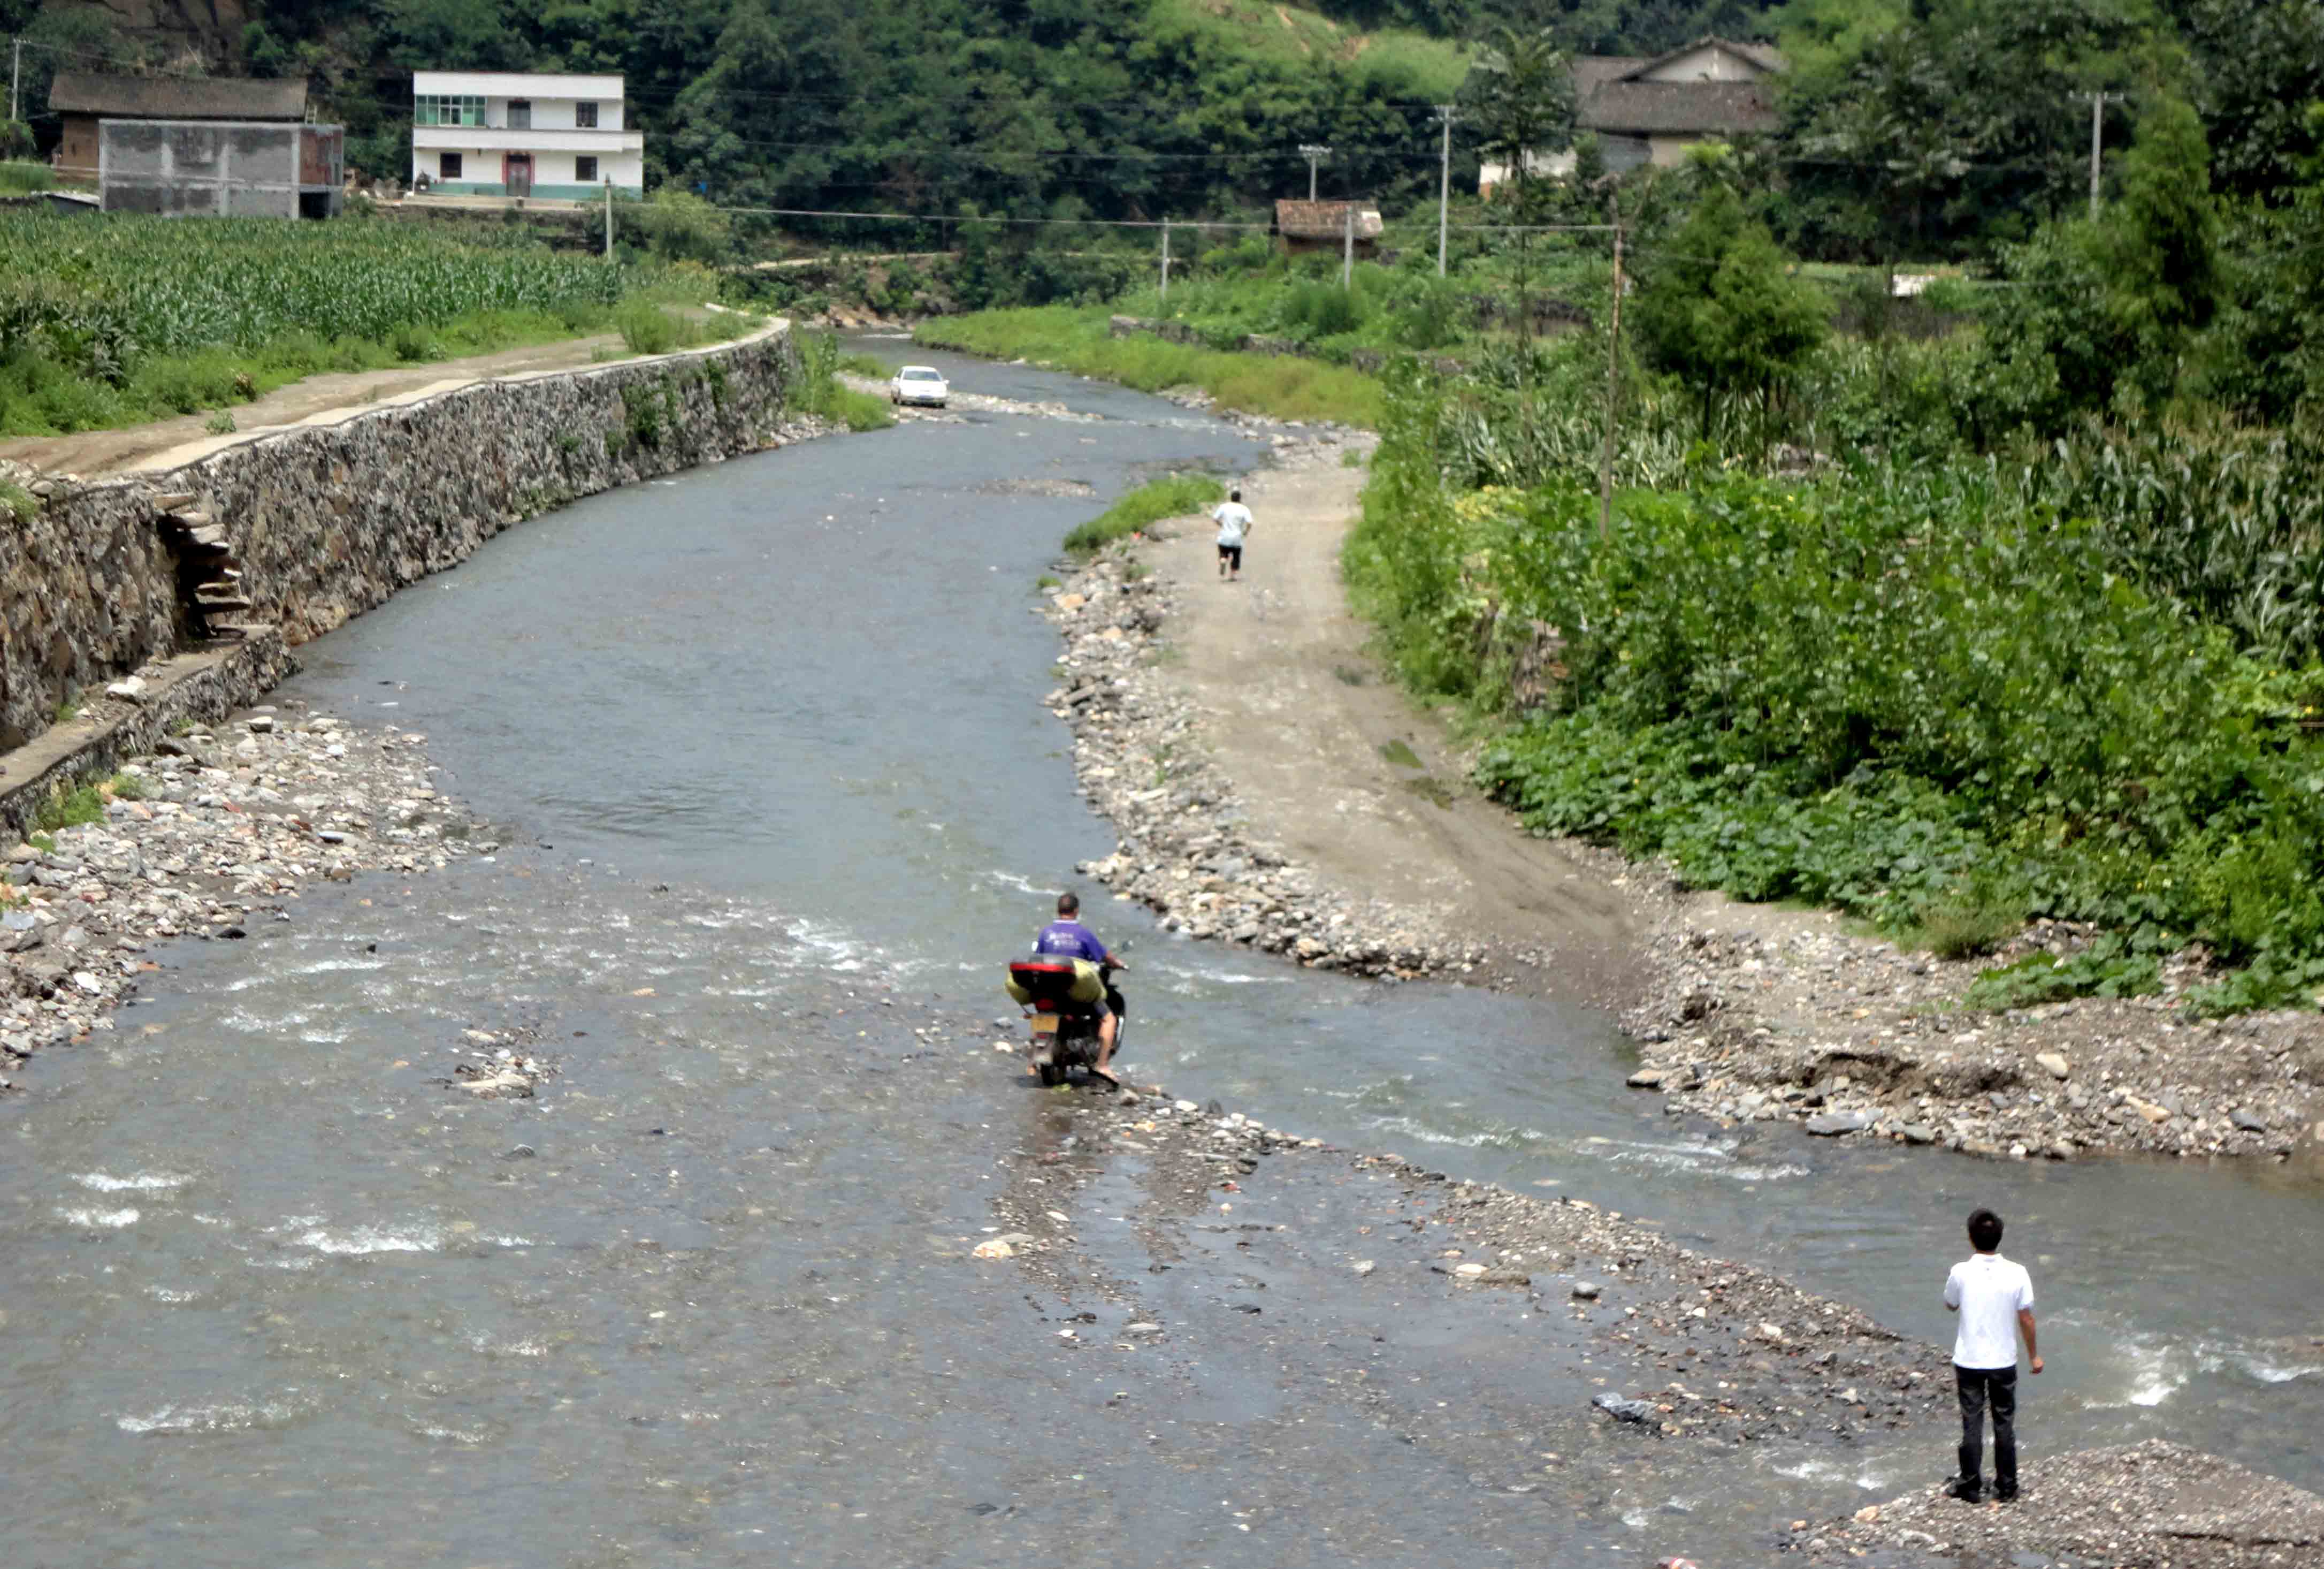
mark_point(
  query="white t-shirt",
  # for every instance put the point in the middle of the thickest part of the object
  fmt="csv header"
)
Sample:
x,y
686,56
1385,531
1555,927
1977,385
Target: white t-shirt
x,y
1233,519
1989,1290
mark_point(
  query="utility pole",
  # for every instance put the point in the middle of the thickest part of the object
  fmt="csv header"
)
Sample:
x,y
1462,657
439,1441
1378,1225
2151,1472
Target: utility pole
x,y
2097,140
1165,258
609,217
1613,381
1315,154
1443,182
1348,245
15,74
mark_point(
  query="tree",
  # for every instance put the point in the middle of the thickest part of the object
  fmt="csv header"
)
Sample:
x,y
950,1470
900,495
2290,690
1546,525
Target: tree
x,y
1519,97
1720,309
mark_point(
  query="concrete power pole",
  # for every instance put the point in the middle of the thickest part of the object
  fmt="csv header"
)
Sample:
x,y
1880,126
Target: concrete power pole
x,y
609,217
1443,182
2099,101
1166,258
1348,245
1613,380
1314,154
15,74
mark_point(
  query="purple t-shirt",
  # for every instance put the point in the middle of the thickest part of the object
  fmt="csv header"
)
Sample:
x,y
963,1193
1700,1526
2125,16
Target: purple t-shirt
x,y
1071,939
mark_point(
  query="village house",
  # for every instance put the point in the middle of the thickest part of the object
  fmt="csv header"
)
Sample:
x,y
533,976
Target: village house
x,y
83,100
1652,110
522,134
1305,226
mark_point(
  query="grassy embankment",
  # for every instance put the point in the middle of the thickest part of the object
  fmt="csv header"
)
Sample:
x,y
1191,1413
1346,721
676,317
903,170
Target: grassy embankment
x,y
1942,691
1076,338
114,321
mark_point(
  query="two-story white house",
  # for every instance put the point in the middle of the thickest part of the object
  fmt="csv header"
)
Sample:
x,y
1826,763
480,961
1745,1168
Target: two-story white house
x,y
522,134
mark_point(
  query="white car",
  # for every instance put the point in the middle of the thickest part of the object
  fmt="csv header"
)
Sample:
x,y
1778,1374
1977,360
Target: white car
x,y
922,384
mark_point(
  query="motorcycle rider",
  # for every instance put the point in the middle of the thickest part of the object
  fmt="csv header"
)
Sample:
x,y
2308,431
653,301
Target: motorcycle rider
x,y
1066,937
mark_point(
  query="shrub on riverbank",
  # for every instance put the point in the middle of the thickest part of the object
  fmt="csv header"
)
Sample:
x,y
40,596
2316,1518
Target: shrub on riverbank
x,y
1921,695
1076,339
823,394
1174,496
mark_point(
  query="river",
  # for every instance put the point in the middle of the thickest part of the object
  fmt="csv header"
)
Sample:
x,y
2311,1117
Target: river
x,y
765,747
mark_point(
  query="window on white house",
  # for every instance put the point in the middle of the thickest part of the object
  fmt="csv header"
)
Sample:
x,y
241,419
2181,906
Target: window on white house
x,y
585,170
520,114
447,109
585,117
447,165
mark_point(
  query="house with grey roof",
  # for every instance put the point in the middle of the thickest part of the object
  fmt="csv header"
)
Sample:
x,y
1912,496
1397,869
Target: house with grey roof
x,y
1653,110
83,100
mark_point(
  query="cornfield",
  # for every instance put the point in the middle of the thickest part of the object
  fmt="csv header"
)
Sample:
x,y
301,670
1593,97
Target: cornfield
x,y
125,286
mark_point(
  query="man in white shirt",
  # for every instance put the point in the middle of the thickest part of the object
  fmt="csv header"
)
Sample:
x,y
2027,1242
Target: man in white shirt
x,y
1233,519
1994,1299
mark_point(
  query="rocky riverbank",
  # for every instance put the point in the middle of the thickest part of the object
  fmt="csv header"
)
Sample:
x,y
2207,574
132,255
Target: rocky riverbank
x,y
220,829
2140,1506
1745,1013
1684,1360
1757,1015
1683,1346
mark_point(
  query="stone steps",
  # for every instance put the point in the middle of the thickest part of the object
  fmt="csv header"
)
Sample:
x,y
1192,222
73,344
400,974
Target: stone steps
x,y
207,558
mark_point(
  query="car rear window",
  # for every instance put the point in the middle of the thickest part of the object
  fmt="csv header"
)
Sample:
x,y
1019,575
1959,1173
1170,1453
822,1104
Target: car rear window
x,y
917,374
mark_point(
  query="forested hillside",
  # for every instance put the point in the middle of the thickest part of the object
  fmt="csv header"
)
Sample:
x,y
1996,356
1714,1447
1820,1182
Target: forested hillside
x,y
1914,129
1053,108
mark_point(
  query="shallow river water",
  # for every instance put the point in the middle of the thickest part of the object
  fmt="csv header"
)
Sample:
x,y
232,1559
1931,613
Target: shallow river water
x,y
765,742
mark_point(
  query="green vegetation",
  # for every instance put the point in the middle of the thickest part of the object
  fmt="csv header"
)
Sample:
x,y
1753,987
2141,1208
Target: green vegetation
x,y
17,502
2039,631
70,809
1077,340
1174,496
114,320
21,177
823,394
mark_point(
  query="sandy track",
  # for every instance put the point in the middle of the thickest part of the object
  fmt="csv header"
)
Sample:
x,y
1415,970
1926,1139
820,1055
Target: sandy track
x,y
1347,774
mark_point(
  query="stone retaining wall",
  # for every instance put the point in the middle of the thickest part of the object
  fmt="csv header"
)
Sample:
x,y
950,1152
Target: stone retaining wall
x,y
326,521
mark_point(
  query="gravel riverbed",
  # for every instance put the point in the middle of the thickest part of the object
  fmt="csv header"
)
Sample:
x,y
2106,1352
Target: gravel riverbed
x,y
221,829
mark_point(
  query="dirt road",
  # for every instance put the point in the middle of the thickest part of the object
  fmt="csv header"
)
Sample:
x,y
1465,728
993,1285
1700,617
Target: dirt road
x,y
90,452
1348,774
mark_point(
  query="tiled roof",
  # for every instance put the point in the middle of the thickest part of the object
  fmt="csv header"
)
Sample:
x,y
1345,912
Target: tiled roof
x,y
177,97
1676,108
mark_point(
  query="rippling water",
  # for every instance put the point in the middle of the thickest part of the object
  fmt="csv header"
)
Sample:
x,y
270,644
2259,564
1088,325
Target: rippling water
x,y
770,733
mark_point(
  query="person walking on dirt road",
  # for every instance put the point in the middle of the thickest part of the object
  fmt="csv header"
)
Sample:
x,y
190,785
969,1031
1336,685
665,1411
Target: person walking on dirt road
x,y
1233,519
1994,1299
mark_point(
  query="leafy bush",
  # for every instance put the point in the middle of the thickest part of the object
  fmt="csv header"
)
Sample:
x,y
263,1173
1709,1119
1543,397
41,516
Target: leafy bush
x,y
70,809
1925,695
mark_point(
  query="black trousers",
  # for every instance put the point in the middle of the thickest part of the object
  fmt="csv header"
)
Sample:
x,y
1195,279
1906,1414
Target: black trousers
x,y
1980,1388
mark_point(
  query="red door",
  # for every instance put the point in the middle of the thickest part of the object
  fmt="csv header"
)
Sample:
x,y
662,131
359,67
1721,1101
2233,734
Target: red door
x,y
516,173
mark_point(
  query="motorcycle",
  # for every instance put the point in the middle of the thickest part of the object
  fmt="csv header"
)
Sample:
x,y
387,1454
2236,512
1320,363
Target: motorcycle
x,y
1064,1031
